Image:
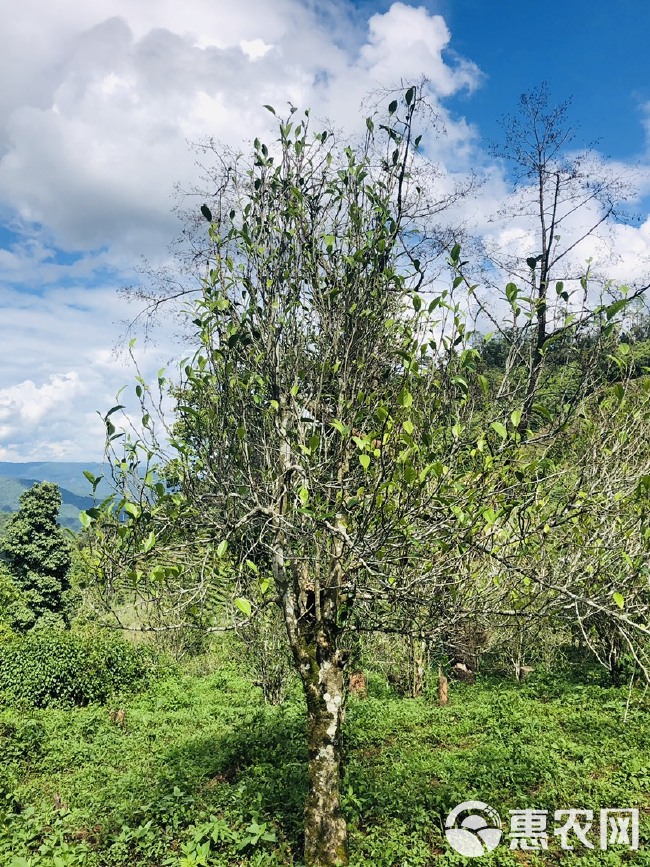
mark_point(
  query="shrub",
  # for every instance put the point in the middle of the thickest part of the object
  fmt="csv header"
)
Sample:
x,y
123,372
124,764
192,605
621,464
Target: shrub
x,y
50,667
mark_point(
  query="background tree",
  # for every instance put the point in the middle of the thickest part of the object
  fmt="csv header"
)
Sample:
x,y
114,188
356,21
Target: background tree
x,y
563,204
37,553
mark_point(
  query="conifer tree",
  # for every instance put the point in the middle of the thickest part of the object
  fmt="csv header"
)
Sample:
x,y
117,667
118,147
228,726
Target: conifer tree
x,y
38,555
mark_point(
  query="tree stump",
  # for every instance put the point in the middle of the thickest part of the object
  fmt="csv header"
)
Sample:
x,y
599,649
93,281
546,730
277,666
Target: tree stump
x,y
443,688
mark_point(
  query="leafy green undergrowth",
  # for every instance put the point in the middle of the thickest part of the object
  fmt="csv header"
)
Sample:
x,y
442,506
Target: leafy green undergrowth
x,y
59,668
197,771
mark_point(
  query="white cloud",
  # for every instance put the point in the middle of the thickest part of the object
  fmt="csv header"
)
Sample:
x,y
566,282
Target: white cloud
x,y
93,135
61,369
93,155
254,48
406,42
29,403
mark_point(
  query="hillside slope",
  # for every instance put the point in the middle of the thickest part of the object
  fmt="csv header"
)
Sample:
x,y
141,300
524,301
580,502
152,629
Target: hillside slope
x,y
65,474
75,488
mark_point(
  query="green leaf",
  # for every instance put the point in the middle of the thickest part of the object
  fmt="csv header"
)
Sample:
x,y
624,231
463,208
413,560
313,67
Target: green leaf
x,y
269,108
85,520
329,241
364,460
243,605
410,474
303,494
455,253
531,261
370,125
405,398
149,542
222,547
410,95
207,213
132,509
515,417
500,429
392,107
614,308
408,426
543,411
619,600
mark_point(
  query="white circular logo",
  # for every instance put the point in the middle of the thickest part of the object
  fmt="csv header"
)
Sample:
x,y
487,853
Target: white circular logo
x,y
477,833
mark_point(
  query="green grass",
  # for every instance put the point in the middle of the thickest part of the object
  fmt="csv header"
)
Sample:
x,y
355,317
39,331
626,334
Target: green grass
x,y
202,773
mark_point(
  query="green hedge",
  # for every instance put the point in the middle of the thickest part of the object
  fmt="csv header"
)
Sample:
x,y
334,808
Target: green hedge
x,y
52,667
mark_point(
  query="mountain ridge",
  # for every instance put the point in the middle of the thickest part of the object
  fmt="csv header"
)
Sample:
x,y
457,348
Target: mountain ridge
x,y
76,490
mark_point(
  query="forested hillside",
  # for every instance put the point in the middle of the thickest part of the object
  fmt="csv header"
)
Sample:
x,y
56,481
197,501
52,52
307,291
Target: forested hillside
x,y
71,504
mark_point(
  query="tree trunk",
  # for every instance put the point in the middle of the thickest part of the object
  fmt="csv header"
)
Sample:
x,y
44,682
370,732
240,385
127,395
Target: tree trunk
x,y
321,668
326,837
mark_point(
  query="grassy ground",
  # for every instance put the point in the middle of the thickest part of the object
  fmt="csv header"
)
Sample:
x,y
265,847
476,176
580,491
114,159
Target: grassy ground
x,y
202,773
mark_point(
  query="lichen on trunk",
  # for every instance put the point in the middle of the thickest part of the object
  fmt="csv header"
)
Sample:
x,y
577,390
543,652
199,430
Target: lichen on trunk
x,y
321,666
326,841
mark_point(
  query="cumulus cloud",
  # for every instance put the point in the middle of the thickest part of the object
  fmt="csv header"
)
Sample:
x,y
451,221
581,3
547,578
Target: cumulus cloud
x,y
25,406
93,135
406,42
61,366
29,403
93,153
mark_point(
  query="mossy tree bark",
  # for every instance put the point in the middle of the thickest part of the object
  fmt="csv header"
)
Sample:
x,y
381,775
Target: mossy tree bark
x,y
311,619
326,838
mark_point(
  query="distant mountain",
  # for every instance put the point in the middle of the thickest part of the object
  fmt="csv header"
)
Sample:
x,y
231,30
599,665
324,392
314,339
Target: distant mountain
x,y
65,474
76,490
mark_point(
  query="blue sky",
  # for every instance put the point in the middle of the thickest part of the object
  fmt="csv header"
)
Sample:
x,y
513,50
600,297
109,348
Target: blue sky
x,y
99,100
593,51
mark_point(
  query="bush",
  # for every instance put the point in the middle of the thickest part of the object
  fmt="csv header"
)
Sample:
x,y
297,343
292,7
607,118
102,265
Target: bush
x,y
49,667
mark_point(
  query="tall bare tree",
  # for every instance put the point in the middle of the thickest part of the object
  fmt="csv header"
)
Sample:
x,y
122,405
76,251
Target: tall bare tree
x,y
562,197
